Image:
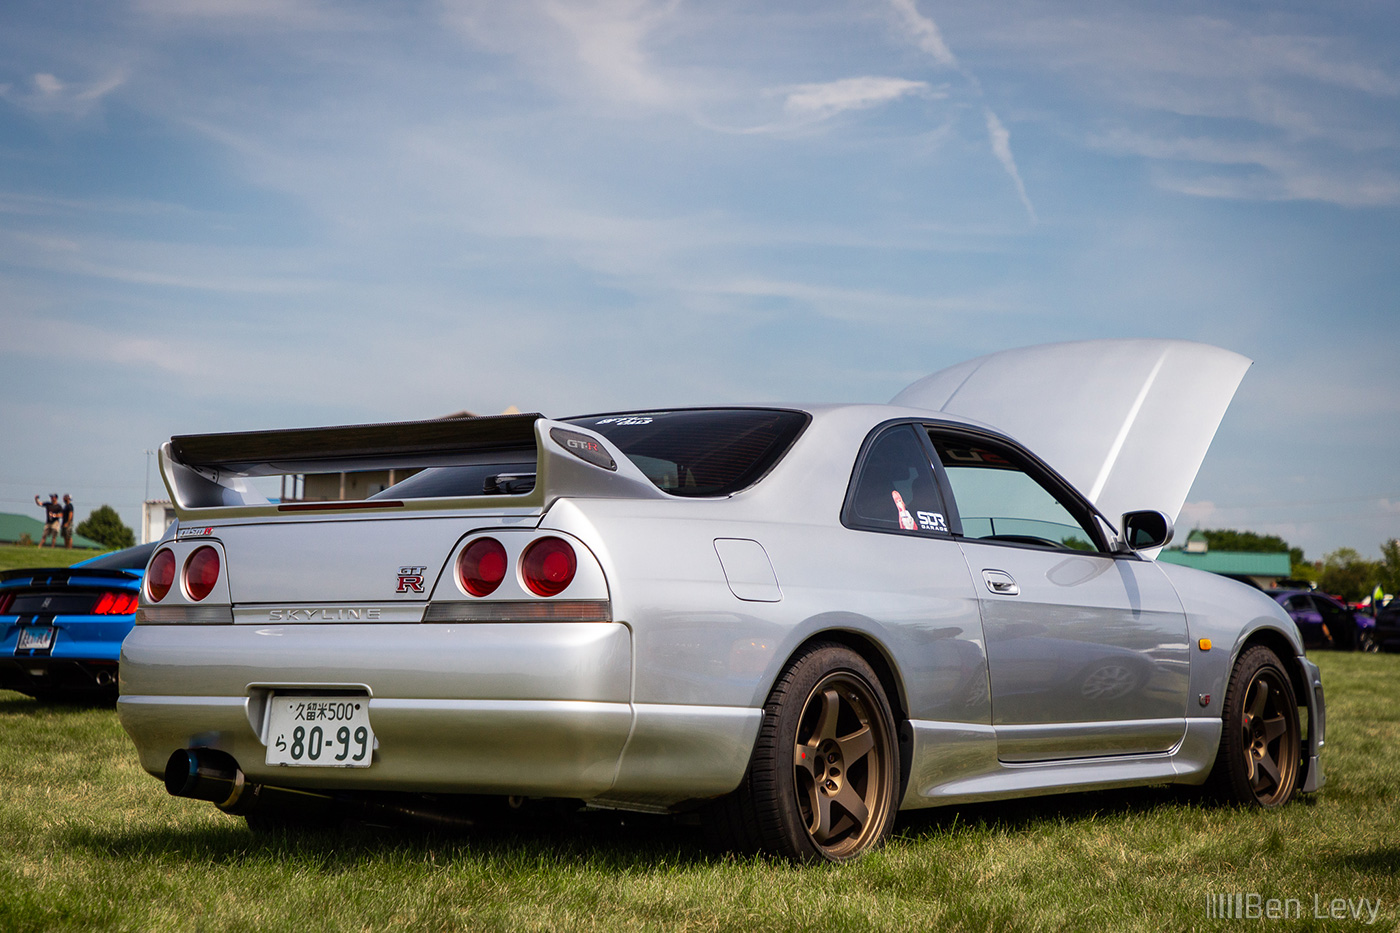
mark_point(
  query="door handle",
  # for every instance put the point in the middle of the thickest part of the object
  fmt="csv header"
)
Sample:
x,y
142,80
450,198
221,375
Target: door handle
x,y
1001,583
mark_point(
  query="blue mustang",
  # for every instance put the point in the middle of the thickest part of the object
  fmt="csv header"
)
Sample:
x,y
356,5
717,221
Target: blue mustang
x,y
61,628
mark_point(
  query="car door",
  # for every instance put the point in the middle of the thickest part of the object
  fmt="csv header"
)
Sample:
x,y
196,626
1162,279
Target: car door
x,y
1086,650
1304,613
913,578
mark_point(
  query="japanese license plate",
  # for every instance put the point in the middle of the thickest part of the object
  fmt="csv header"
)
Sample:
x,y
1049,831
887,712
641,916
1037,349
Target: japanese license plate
x,y
35,637
320,732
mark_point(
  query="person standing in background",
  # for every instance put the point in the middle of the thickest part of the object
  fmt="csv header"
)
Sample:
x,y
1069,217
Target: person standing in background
x,y
67,522
52,513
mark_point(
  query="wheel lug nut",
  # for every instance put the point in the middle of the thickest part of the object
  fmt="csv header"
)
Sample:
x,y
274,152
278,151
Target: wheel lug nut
x,y
831,759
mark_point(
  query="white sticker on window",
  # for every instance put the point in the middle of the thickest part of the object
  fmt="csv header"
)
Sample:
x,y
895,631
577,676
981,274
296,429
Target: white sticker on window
x,y
931,521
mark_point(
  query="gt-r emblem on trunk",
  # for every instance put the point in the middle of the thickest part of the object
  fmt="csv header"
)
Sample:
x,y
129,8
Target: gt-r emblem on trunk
x,y
410,580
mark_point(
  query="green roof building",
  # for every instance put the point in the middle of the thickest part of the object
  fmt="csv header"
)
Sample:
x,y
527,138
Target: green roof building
x,y
14,527
1262,569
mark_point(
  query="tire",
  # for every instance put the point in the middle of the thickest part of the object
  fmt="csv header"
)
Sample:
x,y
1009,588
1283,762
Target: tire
x,y
1261,743
822,780
1366,641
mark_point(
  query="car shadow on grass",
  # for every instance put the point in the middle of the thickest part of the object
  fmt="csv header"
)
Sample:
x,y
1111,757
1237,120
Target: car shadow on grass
x,y
600,839
17,704
1382,861
1023,814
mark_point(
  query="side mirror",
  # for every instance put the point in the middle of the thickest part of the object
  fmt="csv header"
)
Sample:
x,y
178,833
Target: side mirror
x,y
1146,529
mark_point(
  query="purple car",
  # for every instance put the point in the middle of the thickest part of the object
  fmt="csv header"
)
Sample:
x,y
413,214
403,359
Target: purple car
x,y
1326,623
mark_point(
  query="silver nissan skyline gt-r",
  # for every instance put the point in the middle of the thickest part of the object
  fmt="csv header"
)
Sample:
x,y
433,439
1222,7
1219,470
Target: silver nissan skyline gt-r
x,y
791,621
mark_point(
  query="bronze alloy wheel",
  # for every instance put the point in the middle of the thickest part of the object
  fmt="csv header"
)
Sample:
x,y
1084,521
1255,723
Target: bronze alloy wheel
x,y
842,763
1261,746
1269,732
824,775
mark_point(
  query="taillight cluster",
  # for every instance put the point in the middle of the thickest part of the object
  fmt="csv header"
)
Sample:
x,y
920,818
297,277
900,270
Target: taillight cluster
x,y
547,566
160,576
200,574
5,601
115,604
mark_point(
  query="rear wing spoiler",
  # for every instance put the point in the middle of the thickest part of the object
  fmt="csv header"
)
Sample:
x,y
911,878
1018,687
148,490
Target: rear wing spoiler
x,y
208,475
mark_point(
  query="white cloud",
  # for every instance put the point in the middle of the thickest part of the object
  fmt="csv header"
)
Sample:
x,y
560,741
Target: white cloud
x,y
154,263
821,101
925,33
929,38
1001,147
48,84
1265,169
283,13
609,40
34,335
858,305
1195,515
1310,108
598,48
51,94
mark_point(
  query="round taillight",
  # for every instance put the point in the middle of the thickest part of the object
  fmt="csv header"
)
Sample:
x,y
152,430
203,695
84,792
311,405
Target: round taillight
x,y
482,566
548,566
201,573
160,576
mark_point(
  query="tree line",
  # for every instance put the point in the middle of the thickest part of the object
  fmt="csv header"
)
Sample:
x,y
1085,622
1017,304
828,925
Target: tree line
x,y
1343,572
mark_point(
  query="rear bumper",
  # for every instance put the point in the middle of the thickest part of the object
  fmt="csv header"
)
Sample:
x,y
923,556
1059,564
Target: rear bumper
x,y
540,709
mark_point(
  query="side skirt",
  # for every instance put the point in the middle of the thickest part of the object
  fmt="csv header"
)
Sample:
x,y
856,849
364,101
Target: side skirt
x,y
957,763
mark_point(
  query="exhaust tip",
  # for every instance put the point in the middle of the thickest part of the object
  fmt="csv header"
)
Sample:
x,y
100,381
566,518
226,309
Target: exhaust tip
x,y
204,774
181,771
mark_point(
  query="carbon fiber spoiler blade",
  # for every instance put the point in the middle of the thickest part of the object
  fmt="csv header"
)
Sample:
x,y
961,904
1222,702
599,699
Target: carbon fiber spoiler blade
x,y
208,474
354,446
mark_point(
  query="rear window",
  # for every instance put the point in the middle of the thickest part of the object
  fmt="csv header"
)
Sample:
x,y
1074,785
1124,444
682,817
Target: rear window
x,y
701,452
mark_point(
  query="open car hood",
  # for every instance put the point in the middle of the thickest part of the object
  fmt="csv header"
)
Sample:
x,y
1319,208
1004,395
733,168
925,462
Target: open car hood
x,y
1127,422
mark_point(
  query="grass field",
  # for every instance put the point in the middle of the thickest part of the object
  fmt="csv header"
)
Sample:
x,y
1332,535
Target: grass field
x,y
93,843
13,557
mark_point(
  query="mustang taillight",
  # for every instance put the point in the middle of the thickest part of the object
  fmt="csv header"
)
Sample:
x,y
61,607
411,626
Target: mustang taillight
x,y
5,601
160,576
482,566
115,604
548,566
201,573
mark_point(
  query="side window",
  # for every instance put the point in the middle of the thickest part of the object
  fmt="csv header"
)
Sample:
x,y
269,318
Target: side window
x,y
895,489
1298,604
1332,610
999,497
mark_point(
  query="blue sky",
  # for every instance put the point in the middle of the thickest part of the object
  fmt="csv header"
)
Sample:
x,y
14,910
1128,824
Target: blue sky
x,y
241,214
